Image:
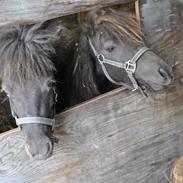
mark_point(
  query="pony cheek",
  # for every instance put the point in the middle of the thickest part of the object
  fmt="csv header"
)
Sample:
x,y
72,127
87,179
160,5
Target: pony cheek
x,y
138,74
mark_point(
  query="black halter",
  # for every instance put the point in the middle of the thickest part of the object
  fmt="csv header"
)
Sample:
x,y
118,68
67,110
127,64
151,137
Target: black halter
x,y
129,66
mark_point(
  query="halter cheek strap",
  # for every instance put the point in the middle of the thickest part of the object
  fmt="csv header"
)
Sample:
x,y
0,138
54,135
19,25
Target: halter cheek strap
x,y
129,66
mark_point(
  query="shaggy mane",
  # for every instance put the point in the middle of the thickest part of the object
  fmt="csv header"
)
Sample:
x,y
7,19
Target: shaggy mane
x,y
26,50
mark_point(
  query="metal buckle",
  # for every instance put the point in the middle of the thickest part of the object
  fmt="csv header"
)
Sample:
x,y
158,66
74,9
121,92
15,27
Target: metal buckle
x,y
100,58
130,66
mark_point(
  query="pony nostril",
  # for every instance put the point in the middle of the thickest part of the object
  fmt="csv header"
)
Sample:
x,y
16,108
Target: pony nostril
x,y
166,75
172,76
39,150
49,148
163,73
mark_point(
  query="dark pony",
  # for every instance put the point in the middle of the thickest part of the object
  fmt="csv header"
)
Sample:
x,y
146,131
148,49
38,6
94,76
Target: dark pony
x,y
29,73
118,37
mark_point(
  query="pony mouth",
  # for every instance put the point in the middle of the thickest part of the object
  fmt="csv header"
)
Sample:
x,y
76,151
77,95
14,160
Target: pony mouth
x,y
155,86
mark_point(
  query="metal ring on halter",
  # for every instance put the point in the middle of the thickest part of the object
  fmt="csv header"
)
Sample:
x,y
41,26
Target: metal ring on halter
x,y
130,66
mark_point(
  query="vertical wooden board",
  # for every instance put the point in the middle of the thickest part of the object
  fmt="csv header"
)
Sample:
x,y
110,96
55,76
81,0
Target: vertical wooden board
x,y
155,17
162,25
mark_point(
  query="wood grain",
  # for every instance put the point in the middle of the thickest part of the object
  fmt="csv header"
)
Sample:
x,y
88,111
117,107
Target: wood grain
x,y
24,11
116,138
137,11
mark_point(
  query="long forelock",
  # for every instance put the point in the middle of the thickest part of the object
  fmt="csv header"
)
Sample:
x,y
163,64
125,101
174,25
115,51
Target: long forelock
x,y
25,52
124,24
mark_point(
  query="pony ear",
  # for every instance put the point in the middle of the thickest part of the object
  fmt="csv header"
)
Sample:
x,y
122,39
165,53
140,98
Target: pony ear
x,y
85,28
101,12
84,85
94,15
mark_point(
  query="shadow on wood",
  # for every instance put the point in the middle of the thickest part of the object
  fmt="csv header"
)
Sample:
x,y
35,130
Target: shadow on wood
x,y
118,137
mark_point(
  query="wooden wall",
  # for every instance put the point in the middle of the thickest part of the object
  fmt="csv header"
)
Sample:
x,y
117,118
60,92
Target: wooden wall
x,y
115,138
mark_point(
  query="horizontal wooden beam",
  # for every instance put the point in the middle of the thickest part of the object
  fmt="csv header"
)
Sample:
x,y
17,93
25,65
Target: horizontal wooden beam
x,y
117,137
31,11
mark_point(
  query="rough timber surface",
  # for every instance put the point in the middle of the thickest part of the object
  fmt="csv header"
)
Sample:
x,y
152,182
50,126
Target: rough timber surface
x,y
162,22
116,138
31,11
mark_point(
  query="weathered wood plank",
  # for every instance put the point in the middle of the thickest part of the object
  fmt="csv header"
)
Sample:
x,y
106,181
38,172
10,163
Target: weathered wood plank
x,y
177,171
118,138
23,11
162,25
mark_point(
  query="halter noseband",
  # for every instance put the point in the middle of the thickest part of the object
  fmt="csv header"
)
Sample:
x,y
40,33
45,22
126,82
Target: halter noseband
x,y
35,120
129,66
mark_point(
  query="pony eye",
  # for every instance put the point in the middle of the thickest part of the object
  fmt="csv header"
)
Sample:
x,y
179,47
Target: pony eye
x,y
110,49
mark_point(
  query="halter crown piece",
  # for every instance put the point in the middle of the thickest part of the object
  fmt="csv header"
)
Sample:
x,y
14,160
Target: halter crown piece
x,y
129,66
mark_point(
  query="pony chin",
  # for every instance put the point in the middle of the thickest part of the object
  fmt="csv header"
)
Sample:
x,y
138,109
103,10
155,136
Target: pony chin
x,y
156,87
